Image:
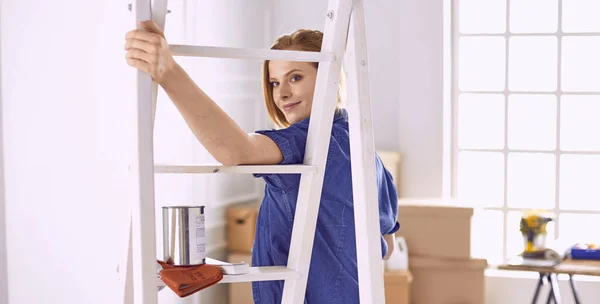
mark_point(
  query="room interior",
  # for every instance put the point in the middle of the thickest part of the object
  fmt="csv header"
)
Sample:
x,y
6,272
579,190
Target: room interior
x,y
481,111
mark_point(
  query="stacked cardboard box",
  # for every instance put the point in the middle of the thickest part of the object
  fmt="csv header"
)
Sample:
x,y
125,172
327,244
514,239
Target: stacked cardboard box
x,y
439,247
241,227
397,286
392,160
240,293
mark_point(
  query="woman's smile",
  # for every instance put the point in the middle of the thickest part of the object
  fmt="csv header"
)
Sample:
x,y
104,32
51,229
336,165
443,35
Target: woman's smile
x,y
290,106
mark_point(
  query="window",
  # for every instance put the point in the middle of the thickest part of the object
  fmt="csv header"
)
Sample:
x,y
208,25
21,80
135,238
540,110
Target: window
x,y
526,127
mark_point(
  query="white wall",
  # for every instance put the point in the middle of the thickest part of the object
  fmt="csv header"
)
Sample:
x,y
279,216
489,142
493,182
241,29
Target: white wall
x,y
420,96
65,94
405,55
67,99
3,271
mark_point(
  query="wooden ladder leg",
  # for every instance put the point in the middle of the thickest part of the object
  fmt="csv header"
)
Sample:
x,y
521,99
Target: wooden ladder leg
x,y
141,257
159,12
362,151
127,264
317,146
159,15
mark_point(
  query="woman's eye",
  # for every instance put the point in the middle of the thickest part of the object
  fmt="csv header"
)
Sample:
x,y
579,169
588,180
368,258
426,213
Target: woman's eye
x,y
274,84
295,78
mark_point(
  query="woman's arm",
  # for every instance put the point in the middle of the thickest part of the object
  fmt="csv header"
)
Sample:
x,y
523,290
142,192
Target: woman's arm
x,y
216,131
224,139
390,239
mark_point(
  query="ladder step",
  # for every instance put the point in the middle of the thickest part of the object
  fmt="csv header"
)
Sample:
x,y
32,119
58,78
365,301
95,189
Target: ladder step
x,y
241,53
267,273
245,169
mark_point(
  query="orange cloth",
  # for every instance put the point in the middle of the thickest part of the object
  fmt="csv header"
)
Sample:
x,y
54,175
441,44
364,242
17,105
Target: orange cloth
x,y
186,280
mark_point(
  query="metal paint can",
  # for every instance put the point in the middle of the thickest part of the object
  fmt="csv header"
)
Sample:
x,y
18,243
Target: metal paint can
x,y
184,235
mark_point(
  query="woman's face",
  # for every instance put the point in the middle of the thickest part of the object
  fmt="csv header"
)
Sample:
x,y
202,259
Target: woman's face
x,y
293,85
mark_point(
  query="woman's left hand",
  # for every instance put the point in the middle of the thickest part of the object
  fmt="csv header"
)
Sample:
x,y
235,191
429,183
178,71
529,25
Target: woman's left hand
x,y
148,51
390,239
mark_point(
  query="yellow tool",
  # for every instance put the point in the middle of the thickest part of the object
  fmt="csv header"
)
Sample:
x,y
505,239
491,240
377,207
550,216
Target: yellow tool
x,y
533,229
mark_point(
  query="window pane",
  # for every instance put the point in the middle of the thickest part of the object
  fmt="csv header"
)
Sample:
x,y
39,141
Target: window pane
x,y
579,123
581,64
580,16
531,180
481,121
533,16
579,228
486,235
515,243
522,133
532,64
481,63
480,17
481,178
579,182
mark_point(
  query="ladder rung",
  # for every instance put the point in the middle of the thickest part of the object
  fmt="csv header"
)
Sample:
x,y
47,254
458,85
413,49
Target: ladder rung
x,y
241,53
267,273
245,169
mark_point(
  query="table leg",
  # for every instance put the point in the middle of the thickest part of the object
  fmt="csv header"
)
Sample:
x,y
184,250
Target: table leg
x,y
551,292
574,289
537,289
554,288
550,298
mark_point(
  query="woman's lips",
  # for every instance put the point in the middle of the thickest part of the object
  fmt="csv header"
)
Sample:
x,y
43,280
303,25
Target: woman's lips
x,y
290,106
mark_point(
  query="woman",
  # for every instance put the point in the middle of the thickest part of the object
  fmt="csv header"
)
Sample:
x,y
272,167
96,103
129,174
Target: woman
x,y
288,89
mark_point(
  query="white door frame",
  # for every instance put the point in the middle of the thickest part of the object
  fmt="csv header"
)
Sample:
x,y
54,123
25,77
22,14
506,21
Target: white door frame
x,y
3,257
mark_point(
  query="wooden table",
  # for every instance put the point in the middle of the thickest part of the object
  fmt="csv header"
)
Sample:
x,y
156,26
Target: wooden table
x,y
570,267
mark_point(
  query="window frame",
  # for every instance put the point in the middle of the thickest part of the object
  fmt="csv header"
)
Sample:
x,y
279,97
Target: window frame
x,y
454,92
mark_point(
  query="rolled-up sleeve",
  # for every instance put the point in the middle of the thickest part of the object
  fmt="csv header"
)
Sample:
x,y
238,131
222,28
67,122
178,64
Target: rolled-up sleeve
x,y
291,142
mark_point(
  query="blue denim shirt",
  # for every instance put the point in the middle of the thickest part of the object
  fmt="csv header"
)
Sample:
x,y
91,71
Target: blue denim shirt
x,y
333,275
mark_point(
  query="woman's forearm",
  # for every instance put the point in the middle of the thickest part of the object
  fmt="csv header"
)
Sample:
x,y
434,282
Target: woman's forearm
x,y
390,239
148,51
224,139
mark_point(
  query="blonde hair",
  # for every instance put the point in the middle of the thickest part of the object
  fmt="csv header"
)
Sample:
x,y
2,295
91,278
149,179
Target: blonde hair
x,y
301,40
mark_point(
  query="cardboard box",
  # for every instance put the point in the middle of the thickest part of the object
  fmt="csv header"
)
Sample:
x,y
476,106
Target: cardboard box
x,y
241,226
240,293
436,231
437,281
397,286
391,161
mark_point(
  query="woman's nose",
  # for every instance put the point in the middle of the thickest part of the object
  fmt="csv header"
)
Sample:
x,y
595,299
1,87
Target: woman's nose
x,y
284,91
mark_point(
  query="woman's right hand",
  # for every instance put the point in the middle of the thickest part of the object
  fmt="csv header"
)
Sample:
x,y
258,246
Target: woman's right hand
x,y
148,51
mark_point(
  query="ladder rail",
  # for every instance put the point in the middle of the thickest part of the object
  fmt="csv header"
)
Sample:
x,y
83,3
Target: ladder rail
x,y
244,53
158,10
362,154
125,268
242,169
140,268
319,134
159,16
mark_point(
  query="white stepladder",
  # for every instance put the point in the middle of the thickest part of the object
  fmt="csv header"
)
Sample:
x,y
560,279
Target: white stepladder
x,y
344,42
